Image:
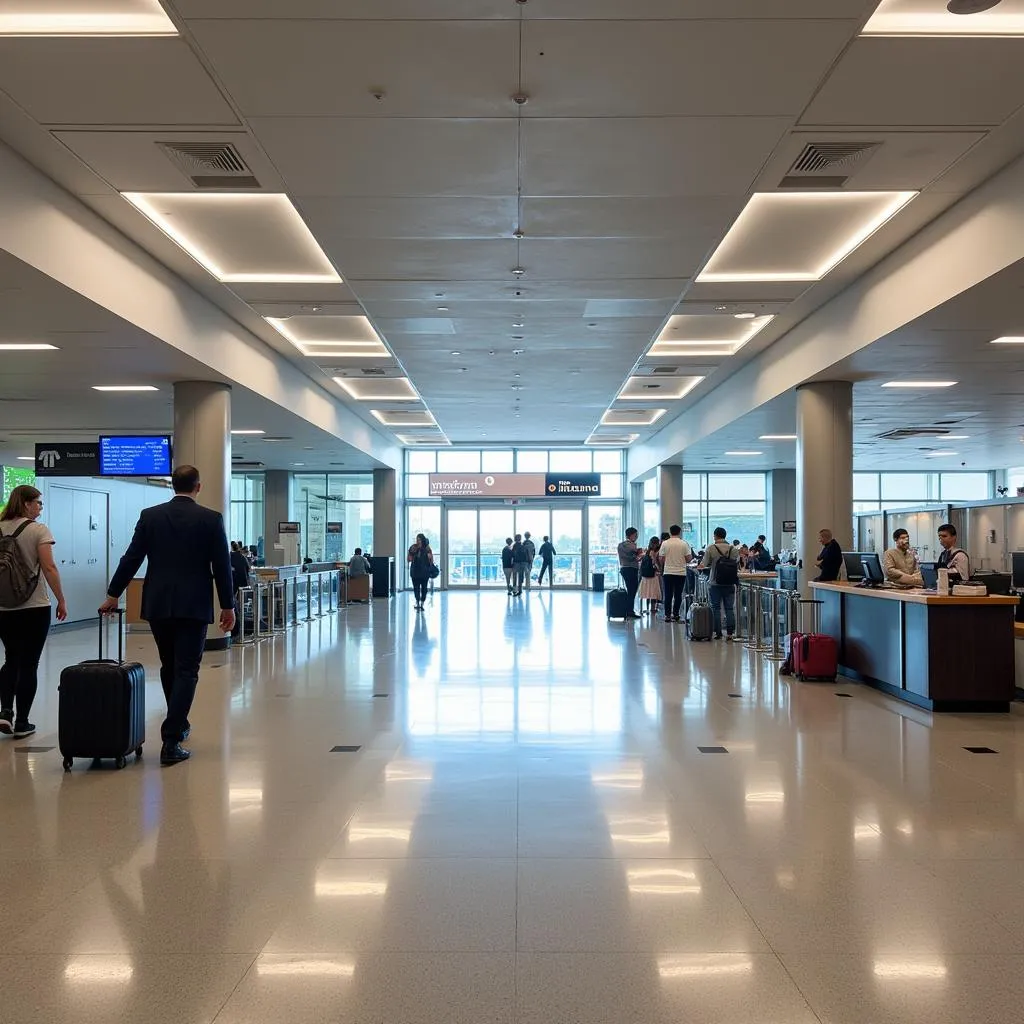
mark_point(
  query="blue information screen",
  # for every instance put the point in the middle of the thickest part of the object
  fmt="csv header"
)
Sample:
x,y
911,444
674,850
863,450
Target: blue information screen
x,y
135,456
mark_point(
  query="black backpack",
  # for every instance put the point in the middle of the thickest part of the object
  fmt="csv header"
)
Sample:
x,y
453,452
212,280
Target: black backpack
x,y
647,567
727,569
17,581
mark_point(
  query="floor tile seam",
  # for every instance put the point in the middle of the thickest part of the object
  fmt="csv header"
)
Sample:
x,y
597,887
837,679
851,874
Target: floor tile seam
x,y
236,987
746,909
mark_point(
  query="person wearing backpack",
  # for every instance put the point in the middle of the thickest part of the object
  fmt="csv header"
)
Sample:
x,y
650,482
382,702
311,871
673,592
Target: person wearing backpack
x,y
421,564
722,560
650,578
530,550
26,566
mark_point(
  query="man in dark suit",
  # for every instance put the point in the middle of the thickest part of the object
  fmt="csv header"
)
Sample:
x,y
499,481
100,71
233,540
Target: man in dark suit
x,y
187,548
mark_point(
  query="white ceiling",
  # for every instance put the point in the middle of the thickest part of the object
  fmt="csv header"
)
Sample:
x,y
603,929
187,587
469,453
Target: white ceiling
x,y
391,125
48,396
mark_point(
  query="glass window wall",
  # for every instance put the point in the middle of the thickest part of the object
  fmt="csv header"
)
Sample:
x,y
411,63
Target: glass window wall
x,y
320,498
247,504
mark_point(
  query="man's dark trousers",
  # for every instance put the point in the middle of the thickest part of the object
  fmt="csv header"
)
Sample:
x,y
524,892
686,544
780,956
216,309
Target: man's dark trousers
x,y
180,643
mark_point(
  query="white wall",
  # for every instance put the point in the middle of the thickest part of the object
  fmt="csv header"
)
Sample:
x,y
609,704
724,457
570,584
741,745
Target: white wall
x,y
116,512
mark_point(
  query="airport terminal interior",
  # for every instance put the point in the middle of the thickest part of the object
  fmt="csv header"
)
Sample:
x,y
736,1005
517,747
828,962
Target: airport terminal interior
x,y
483,270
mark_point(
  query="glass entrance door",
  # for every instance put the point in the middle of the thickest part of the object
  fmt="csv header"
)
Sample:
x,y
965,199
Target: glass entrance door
x,y
476,536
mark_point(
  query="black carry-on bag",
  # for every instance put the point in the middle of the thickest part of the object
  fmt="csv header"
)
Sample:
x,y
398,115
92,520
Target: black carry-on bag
x,y
102,709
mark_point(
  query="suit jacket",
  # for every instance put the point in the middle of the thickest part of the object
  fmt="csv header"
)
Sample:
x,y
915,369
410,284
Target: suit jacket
x,y
187,548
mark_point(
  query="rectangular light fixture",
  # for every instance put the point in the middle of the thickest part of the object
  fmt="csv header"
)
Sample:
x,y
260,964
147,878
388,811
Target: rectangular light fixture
x,y
777,437
611,440
428,440
1008,340
124,387
911,384
106,18
344,336
705,334
667,350
26,346
243,433
632,417
657,389
738,453
798,236
931,18
404,417
26,458
940,455
240,238
384,389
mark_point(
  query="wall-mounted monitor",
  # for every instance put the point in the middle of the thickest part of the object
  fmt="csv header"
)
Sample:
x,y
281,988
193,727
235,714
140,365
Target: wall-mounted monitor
x,y
140,455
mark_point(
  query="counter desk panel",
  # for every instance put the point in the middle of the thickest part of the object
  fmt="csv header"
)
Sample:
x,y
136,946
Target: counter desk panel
x,y
941,653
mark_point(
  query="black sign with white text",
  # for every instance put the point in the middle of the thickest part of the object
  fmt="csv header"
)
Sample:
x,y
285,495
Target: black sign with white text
x,y
572,485
68,459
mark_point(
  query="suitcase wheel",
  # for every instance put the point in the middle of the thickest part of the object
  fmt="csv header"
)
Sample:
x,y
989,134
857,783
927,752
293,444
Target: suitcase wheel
x,y
120,762
138,752
68,762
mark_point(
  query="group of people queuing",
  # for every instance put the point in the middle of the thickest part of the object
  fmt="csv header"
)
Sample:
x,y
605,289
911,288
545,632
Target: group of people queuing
x,y
657,573
518,557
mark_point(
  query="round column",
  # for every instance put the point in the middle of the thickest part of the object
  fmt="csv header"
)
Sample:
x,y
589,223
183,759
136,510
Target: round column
x,y
824,468
202,438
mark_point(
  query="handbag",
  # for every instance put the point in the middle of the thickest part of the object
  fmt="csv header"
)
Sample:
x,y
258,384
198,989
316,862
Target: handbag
x,y
433,572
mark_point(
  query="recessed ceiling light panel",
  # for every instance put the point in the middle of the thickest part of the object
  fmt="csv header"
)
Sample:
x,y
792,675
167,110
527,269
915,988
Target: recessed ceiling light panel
x,y
743,453
404,417
799,236
240,237
647,389
777,437
922,384
385,389
707,334
330,335
943,18
1008,340
611,440
26,346
243,433
632,417
84,18
124,387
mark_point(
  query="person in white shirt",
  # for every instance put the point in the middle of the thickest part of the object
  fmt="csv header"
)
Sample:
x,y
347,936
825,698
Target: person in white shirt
x,y
676,555
953,558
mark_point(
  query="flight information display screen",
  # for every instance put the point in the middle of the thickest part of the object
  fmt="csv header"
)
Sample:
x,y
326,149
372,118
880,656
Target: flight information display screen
x,y
135,456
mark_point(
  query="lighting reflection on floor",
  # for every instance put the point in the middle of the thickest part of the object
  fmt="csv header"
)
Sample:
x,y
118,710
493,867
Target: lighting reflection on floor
x,y
528,833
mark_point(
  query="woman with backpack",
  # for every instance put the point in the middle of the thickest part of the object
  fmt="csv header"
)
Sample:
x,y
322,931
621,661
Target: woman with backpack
x,y
26,566
421,566
650,578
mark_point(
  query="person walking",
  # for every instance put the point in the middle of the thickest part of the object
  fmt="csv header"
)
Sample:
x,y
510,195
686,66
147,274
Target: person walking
x,y
186,546
629,560
650,578
239,579
420,560
547,561
507,565
675,557
722,560
531,554
520,564
26,566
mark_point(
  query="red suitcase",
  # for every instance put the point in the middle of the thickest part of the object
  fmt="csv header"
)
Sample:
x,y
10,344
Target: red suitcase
x,y
815,657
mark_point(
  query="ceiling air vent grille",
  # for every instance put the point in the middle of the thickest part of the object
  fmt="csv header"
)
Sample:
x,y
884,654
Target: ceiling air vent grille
x,y
210,165
828,164
372,371
664,371
906,433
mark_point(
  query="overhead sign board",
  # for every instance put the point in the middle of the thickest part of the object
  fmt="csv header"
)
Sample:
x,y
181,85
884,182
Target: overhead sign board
x,y
789,526
514,485
283,527
334,527
68,459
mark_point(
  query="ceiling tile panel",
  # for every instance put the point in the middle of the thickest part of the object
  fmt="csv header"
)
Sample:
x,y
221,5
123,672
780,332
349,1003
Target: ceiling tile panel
x,y
629,217
350,10
104,81
392,156
922,82
467,217
615,68
335,68
614,257
646,156
446,260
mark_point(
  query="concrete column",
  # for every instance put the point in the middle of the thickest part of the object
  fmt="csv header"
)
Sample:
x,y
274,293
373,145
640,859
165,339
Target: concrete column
x,y
385,513
781,506
275,510
670,495
202,438
824,467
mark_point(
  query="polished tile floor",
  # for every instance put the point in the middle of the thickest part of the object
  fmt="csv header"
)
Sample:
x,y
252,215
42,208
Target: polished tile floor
x,y
528,832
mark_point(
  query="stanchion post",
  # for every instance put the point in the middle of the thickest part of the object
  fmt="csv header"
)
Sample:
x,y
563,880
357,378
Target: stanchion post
x,y
778,598
754,637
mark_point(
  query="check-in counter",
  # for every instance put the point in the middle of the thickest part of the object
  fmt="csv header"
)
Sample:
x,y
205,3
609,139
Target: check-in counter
x,y
941,653
1018,630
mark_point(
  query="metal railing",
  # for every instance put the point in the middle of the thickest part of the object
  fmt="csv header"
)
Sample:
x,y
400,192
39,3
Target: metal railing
x,y
269,608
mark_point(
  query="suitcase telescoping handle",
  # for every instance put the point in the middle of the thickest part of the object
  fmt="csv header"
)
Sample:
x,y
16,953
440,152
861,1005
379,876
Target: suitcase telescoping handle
x,y
119,612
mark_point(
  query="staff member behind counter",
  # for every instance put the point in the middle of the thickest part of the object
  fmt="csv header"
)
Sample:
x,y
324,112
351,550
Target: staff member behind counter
x,y
900,563
953,558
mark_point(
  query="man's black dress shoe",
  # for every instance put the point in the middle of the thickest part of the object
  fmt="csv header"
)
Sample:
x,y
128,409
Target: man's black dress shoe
x,y
173,753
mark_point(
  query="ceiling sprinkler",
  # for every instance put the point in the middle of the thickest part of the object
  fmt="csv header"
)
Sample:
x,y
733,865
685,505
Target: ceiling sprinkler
x,y
971,6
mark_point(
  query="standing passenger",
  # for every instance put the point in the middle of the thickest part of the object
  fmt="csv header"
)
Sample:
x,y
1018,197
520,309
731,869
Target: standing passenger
x,y
507,564
26,566
530,550
420,559
650,578
547,560
629,559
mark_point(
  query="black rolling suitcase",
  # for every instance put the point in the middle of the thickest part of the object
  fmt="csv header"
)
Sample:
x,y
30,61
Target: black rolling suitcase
x,y
616,604
102,710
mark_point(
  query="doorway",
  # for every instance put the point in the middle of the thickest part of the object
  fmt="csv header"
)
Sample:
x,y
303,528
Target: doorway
x,y
475,538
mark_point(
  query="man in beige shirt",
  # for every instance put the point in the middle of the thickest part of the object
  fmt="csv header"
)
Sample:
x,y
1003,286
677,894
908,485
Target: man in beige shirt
x,y
900,563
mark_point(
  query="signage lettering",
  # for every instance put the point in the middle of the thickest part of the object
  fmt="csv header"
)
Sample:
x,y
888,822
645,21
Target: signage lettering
x,y
68,459
514,485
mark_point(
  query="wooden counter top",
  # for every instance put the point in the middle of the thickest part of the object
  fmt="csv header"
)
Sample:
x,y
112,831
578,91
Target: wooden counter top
x,y
914,596
1018,630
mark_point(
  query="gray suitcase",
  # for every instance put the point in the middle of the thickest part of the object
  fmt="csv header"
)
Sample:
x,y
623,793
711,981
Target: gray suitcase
x,y
700,622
